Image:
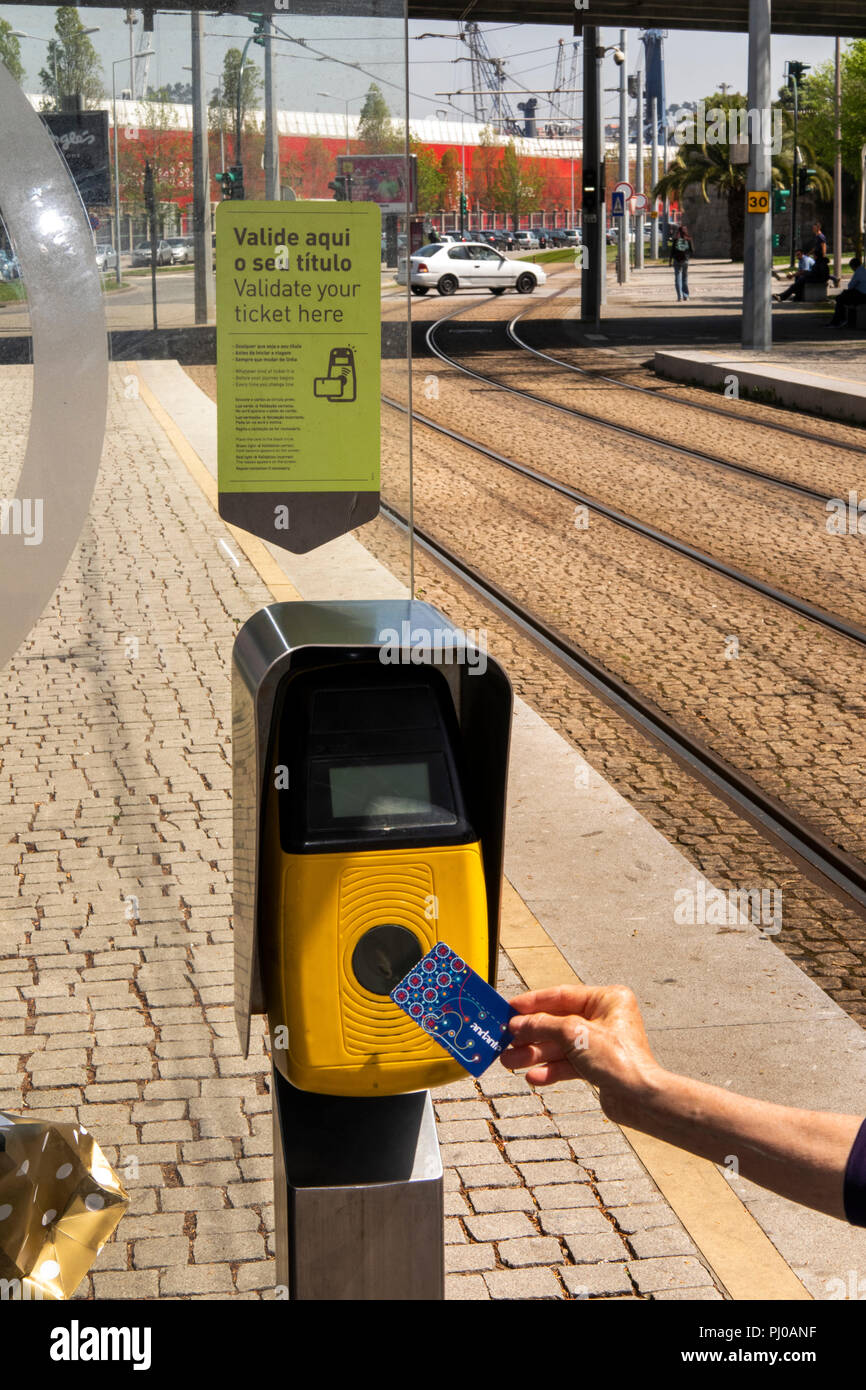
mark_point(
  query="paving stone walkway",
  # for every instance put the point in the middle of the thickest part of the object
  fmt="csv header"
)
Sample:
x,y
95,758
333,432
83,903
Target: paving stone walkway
x,y
115,939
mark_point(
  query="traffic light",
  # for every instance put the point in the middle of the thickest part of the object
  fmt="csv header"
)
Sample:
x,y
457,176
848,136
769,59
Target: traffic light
x,y
777,241
260,21
463,205
804,178
231,181
780,199
342,186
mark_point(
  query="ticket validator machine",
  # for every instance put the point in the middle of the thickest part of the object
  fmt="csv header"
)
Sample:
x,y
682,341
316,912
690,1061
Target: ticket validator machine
x,y
370,764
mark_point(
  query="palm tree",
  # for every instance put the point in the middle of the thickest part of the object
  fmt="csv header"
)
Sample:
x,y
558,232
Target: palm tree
x,y
708,165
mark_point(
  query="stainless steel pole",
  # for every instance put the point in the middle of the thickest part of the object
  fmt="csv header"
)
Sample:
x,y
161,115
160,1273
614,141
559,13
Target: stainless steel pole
x,y
202,249
592,201
758,258
837,169
622,249
116,173
654,175
638,176
272,134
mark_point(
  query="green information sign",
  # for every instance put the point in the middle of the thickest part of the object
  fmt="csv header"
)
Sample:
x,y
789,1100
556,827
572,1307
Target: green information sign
x,y
298,368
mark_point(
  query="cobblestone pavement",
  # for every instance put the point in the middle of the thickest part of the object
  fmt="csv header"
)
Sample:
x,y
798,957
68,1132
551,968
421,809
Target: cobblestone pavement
x,y
115,943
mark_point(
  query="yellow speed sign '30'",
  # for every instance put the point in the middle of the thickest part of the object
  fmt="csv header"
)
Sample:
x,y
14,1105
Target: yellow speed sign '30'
x,y
758,201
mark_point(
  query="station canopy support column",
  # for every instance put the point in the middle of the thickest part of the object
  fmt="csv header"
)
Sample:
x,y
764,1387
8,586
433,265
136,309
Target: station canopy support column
x,y
593,213
758,250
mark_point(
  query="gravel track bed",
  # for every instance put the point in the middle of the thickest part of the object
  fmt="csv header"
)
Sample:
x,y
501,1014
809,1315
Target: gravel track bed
x,y
812,464
826,939
787,708
778,537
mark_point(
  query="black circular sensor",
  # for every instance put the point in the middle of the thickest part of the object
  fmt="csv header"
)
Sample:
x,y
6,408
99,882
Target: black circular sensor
x,y
383,956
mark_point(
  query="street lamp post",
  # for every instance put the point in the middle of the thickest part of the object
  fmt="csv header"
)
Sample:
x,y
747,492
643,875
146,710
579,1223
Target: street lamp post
x,y
147,54
20,34
219,81
347,101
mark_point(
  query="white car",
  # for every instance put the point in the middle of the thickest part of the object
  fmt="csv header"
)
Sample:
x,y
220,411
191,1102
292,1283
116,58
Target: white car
x,y
471,266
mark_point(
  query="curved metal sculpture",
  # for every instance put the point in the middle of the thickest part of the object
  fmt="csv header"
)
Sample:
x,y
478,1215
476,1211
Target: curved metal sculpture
x,y
51,235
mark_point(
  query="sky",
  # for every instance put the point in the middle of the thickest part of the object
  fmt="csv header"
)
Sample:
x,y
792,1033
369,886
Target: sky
x,y
695,63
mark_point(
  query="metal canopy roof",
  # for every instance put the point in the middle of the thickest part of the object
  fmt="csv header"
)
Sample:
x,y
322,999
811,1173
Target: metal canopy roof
x,y
846,17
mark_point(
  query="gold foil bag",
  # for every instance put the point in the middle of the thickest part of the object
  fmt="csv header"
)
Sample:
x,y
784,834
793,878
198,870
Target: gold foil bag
x,y
60,1201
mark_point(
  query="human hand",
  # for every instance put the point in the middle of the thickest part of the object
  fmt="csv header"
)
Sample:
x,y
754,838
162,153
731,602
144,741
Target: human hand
x,y
596,1033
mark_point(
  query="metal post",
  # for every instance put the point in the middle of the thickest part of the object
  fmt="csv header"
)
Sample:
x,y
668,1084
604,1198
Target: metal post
x,y
243,63
622,253
638,176
654,175
358,1197
796,178
758,258
116,171
202,248
593,213
837,169
272,134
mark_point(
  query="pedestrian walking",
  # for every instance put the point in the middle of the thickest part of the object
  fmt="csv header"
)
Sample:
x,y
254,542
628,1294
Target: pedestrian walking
x,y
682,248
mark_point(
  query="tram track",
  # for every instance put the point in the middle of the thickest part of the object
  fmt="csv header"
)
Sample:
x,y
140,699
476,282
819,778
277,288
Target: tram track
x,y
831,621
842,874
600,421
661,393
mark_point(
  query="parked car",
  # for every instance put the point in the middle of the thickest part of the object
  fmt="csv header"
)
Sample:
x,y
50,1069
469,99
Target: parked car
x,y
9,267
449,267
141,253
106,256
181,249
565,236
503,240
525,241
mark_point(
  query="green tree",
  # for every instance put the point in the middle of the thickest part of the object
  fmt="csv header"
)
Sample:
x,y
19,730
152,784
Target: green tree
x,y
169,153
517,184
429,190
449,177
376,131
250,89
817,109
73,65
10,51
178,92
707,164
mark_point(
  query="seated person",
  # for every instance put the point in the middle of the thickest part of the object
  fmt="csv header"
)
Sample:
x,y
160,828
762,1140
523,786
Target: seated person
x,y
819,274
855,294
810,1156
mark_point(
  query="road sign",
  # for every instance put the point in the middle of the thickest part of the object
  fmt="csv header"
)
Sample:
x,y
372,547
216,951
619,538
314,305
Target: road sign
x,y
617,204
298,366
624,187
758,200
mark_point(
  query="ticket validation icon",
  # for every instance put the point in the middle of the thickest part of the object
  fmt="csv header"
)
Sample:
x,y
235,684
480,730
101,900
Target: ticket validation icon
x,y
340,385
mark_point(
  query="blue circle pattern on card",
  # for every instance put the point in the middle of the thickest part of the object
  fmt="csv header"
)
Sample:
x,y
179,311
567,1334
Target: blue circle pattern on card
x,y
456,1007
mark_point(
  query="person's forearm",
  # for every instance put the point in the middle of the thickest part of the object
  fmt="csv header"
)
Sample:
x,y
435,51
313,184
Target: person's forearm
x,y
801,1154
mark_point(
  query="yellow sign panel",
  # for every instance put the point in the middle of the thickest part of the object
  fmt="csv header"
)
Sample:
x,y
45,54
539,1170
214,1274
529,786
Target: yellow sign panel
x,y
758,201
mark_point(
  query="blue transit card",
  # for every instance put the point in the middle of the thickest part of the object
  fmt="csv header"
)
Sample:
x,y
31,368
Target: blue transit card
x,y
446,998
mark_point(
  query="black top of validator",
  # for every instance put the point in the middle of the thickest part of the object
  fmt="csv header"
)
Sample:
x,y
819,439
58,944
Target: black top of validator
x,y
373,759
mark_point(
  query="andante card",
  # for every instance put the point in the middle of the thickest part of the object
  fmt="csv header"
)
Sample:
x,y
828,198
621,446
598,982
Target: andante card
x,y
446,998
